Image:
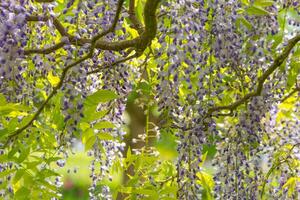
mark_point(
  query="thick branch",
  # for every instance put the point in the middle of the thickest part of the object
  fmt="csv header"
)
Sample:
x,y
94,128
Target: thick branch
x,y
277,62
63,32
297,89
139,43
136,24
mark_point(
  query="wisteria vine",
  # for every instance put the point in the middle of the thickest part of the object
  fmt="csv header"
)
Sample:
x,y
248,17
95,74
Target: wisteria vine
x,y
224,75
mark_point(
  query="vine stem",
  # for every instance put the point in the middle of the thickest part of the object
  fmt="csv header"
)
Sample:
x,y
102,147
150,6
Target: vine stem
x,y
261,80
148,110
274,166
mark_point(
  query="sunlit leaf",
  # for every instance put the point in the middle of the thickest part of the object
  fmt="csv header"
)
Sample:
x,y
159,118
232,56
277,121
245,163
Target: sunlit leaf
x,y
255,10
101,96
54,80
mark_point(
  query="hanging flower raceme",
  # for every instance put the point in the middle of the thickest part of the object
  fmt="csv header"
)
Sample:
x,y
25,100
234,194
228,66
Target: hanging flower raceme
x,y
200,53
221,69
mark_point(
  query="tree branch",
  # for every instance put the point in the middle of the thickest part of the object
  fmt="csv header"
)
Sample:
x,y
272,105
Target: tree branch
x,y
54,91
63,32
66,69
136,24
140,43
105,66
277,62
46,50
297,89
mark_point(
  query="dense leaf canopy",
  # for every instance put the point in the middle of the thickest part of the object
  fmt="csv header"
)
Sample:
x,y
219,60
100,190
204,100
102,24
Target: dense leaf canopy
x,y
215,84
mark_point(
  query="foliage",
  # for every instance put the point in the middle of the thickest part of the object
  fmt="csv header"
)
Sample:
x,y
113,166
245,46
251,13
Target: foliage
x,y
217,82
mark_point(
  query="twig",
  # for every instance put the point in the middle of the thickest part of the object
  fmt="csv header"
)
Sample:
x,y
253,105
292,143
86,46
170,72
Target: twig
x,y
277,62
297,89
274,166
136,24
140,43
64,73
105,66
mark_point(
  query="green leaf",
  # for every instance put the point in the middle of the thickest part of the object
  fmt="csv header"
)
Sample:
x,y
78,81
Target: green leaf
x,y
86,135
207,183
18,175
24,154
263,3
145,87
127,190
53,159
3,132
25,120
246,2
101,96
90,114
105,136
168,190
90,143
277,41
10,107
22,194
12,152
167,145
139,10
203,158
2,99
128,154
47,185
6,172
32,164
151,193
292,74
255,10
84,126
291,184
45,173
245,22
104,124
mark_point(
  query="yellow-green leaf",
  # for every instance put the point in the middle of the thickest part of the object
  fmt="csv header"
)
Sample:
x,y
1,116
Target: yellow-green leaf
x,y
255,10
54,80
291,184
104,124
90,143
86,135
105,136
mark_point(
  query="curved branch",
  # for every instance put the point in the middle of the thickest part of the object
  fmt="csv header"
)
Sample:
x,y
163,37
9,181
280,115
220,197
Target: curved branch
x,y
143,40
54,91
139,43
105,66
62,31
297,89
136,24
46,50
64,73
277,62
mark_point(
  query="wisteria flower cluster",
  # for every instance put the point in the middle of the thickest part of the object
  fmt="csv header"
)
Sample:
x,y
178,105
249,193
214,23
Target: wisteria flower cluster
x,y
215,84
